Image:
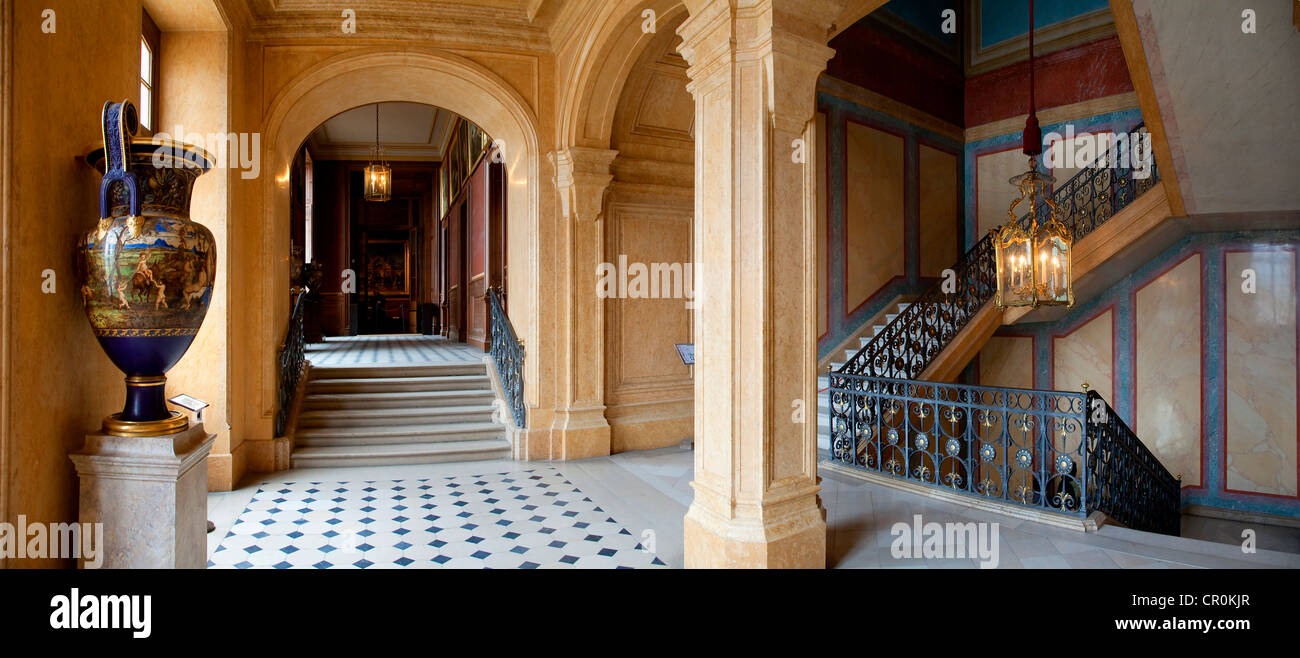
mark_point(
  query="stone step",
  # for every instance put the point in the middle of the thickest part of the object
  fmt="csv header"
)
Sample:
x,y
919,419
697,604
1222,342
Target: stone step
x,y
388,372
407,453
395,384
401,416
321,401
376,436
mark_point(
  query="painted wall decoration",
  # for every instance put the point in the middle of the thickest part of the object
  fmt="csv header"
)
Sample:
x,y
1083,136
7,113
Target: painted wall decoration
x,y
891,190
1201,365
1073,75
910,71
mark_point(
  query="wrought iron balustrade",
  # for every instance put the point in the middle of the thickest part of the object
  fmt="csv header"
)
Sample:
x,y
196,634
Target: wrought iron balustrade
x,y
1127,481
289,366
1017,446
1097,193
920,333
908,344
508,356
1042,449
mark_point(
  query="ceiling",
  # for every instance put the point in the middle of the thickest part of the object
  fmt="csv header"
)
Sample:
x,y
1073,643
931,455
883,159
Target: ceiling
x,y
407,132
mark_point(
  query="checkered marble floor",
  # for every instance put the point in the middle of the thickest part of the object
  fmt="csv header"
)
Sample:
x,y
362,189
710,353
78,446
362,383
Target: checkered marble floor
x,y
390,349
520,519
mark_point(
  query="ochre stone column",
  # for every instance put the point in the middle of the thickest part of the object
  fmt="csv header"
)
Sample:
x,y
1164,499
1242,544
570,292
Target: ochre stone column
x,y
582,175
753,71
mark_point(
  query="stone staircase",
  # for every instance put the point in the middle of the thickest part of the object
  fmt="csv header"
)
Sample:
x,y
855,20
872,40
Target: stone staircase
x,y
418,414
823,381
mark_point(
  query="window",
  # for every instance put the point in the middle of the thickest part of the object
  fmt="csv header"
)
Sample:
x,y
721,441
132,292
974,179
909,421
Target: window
x,y
150,37
146,85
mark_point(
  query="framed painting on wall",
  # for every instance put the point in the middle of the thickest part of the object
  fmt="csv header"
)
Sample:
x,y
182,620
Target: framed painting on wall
x,y
388,266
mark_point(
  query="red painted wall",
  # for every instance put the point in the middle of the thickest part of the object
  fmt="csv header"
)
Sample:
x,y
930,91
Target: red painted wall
x,y
478,210
1084,72
873,57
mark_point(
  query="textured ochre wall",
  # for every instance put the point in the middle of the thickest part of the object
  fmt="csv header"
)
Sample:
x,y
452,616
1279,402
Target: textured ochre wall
x,y
649,394
60,384
874,250
1007,361
938,205
193,101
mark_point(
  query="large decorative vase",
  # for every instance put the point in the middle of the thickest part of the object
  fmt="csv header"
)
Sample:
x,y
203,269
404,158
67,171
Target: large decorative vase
x,y
145,270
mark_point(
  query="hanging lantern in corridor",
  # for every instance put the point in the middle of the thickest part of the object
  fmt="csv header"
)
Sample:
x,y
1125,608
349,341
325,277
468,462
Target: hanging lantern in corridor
x,y
379,176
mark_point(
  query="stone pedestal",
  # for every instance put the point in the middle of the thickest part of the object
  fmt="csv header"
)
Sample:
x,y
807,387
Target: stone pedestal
x,y
151,494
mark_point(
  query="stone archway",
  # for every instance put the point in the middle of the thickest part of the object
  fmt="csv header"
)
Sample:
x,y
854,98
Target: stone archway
x,y
600,66
259,261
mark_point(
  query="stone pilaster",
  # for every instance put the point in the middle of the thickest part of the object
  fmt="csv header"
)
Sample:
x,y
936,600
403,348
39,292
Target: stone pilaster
x,y
753,71
582,176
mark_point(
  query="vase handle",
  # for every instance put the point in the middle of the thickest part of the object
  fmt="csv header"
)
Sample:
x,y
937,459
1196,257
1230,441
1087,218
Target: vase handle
x,y
120,122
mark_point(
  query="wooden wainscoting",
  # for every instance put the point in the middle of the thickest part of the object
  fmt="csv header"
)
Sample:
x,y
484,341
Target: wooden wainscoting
x,y
334,313
476,314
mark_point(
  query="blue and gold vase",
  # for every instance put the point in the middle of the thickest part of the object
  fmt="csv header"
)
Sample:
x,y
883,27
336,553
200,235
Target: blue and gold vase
x,y
146,269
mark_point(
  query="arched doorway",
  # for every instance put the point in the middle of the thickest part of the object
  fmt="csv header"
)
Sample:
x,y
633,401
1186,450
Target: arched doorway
x,y
260,267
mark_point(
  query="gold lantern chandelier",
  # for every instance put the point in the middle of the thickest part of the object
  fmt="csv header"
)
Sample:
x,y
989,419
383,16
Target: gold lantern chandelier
x,y
379,176
1033,264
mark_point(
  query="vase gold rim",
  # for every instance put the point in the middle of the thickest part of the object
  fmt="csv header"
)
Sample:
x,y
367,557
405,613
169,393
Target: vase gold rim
x,y
115,426
96,157
150,380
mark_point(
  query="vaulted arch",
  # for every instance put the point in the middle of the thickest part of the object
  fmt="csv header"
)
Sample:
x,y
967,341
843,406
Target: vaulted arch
x,y
260,267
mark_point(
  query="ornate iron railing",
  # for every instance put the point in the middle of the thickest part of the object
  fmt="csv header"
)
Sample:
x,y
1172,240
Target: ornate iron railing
x,y
1030,447
913,339
508,355
908,344
1058,451
289,365
1097,193
1017,446
1125,480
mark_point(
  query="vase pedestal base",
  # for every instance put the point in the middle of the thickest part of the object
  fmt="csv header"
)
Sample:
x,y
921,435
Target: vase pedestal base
x,y
151,495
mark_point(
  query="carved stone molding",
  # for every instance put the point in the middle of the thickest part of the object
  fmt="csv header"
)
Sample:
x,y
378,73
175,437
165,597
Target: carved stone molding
x,y
582,175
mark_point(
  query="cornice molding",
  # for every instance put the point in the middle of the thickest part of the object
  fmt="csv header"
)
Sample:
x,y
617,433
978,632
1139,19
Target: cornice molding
x,y
1061,113
501,21
1080,29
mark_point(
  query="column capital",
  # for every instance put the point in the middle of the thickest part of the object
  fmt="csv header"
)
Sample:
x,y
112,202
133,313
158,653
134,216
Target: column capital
x,y
581,177
788,35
